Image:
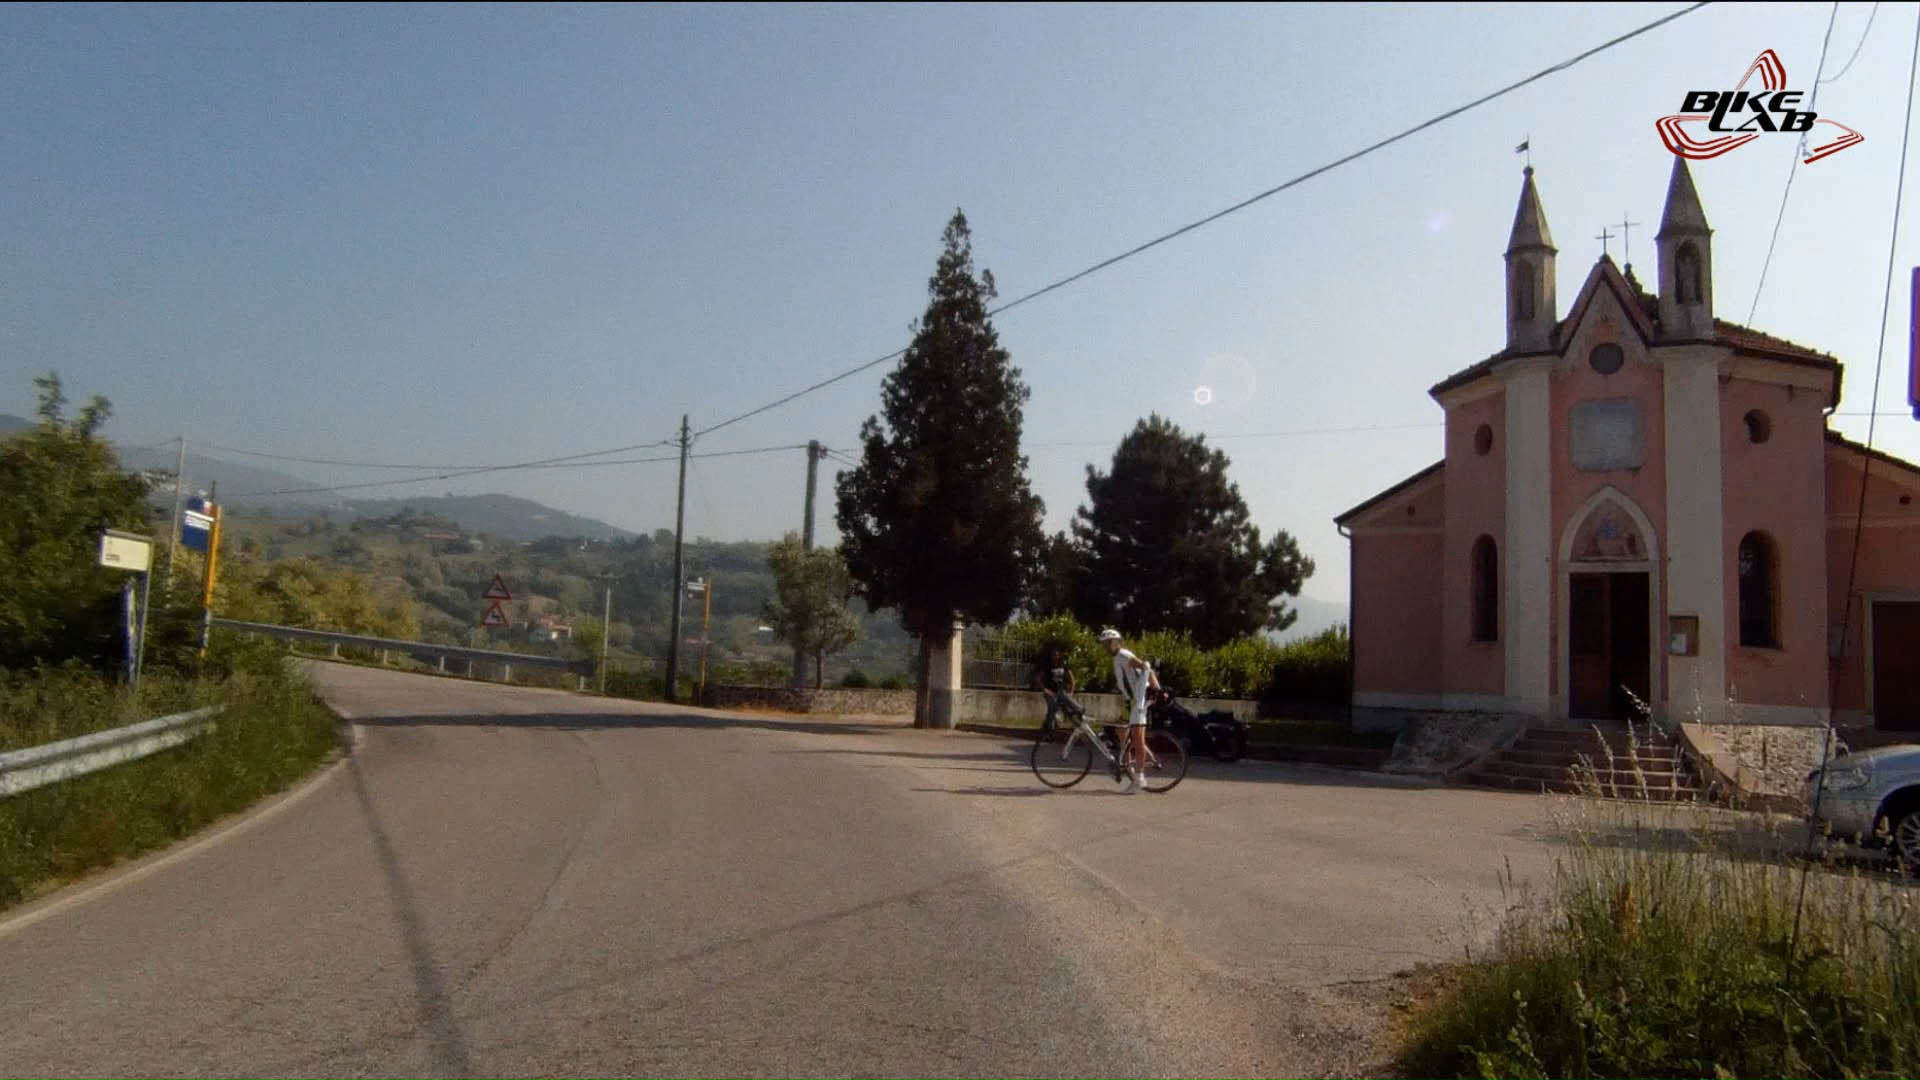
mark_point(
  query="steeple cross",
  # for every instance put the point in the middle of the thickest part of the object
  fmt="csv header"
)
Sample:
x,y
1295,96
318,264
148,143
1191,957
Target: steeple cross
x,y
1626,239
1605,235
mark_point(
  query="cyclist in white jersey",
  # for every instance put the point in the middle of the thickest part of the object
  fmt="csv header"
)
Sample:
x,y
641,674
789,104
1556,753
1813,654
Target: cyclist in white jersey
x,y
1134,678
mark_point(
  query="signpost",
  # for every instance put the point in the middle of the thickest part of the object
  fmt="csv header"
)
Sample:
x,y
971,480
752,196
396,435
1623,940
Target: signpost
x,y
496,594
133,553
196,524
213,568
705,589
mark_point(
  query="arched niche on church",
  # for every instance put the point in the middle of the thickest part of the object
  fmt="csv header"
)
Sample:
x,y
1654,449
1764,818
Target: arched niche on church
x,y
1609,534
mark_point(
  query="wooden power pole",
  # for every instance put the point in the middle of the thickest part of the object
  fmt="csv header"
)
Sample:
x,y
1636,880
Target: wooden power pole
x,y
679,566
814,453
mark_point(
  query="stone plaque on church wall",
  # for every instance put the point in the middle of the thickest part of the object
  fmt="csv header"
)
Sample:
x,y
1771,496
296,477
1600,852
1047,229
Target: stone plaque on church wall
x,y
1606,434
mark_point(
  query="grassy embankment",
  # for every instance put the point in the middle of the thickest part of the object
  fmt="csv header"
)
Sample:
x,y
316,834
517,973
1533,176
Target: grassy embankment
x,y
274,732
1685,942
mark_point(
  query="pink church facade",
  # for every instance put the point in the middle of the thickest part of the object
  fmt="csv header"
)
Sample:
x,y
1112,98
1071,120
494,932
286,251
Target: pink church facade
x,y
1640,508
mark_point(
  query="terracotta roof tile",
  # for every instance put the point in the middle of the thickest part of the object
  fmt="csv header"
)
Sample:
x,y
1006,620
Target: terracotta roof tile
x,y
1741,337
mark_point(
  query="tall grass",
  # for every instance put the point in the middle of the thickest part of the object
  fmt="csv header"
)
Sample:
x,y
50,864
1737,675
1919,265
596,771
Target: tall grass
x,y
273,732
1664,945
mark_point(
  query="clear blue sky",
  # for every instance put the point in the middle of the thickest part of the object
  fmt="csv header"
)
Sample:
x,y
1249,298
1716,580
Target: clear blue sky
x,y
454,234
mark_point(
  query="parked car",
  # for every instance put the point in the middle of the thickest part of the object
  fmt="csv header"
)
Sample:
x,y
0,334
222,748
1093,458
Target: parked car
x,y
1872,798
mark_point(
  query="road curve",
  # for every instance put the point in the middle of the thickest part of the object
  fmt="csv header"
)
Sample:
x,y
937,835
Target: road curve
x,y
507,881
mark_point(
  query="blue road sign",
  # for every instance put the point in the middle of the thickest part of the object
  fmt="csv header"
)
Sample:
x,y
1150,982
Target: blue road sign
x,y
196,524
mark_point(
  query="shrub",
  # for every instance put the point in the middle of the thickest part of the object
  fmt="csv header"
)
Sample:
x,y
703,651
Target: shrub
x,y
1314,671
1174,657
855,680
638,685
895,682
1317,671
1238,669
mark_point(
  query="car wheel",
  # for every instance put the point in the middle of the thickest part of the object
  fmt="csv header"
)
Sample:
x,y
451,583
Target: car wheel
x,y
1905,838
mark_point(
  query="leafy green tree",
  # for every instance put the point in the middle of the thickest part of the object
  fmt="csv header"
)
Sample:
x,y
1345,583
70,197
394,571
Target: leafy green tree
x,y
1167,544
1054,578
809,607
62,484
938,522
588,635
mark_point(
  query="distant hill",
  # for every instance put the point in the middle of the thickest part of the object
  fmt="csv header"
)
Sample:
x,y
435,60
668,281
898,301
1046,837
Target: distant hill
x,y
506,516
1315,617
239,485
247,487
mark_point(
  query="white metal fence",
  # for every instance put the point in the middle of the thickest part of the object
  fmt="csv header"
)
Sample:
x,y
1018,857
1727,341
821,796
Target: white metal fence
x,y
50,763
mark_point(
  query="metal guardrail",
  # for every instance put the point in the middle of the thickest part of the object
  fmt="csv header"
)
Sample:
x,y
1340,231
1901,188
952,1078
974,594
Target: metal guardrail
x,y
419,650
38,766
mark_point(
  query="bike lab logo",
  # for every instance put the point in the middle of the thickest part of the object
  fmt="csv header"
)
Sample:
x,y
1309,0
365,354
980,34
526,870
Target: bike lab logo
x,y
1738,116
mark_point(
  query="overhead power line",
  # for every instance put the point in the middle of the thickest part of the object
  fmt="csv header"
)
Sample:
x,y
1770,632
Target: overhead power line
x,y
1866,470
1237,207
1799,151
1858,45
557,463
410,465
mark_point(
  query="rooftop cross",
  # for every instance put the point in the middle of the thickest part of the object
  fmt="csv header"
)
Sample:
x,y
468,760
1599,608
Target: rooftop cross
x,y
1605,235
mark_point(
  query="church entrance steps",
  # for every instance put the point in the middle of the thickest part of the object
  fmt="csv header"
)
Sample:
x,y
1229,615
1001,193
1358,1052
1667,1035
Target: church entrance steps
x,y
1608,762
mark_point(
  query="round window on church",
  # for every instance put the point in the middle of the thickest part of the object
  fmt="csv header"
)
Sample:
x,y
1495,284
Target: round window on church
x,y
1483,440
1606,359
1759,428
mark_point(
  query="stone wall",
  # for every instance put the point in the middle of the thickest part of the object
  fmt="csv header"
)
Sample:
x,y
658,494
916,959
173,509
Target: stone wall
x,y
836,702
1027,709
1758,759
1437,743
987,708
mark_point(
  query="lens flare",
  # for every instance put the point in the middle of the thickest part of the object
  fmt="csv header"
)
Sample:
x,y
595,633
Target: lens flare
x,y
1203,395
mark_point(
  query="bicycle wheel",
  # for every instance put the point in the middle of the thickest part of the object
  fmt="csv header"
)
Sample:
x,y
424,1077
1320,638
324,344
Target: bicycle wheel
x,y
1062,760
1166,762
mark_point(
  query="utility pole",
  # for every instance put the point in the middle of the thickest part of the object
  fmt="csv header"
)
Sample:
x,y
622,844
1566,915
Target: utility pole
x,y
679,565
606,632
814,453
179,493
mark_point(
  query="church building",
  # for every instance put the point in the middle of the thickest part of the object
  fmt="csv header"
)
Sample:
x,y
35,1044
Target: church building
x,y
1639,504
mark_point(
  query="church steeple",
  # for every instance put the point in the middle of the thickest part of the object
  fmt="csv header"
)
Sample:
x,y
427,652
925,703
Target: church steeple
x,y
1686,261
1531,309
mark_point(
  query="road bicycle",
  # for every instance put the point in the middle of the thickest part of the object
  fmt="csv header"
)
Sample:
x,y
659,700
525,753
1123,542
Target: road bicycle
x,y
1062,758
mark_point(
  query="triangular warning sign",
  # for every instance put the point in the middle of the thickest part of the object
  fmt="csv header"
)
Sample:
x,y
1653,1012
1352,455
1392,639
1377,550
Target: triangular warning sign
x,y
497,590
494,616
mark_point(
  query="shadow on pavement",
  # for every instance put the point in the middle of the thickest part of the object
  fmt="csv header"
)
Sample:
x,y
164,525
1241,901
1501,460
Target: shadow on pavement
x,y
597,721
967,748
1747,838
436,1010
1014,753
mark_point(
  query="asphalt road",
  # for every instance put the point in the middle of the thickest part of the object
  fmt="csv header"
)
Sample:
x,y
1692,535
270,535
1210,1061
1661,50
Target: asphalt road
x,y
521,882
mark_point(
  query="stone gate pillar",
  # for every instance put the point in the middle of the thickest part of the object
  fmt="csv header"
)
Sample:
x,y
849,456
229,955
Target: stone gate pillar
x,y
943,682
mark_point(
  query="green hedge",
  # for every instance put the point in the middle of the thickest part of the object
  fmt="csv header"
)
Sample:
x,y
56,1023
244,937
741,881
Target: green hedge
x,y
1315,671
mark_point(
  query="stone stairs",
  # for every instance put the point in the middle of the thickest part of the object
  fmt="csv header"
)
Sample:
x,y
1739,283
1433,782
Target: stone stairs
x,y
1599,760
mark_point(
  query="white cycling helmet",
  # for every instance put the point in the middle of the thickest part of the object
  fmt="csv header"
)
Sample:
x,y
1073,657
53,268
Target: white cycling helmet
x,y
1109,634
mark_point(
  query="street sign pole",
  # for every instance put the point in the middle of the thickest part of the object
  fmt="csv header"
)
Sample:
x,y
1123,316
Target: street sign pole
x,y
146,600
213,570
134,553
132,635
